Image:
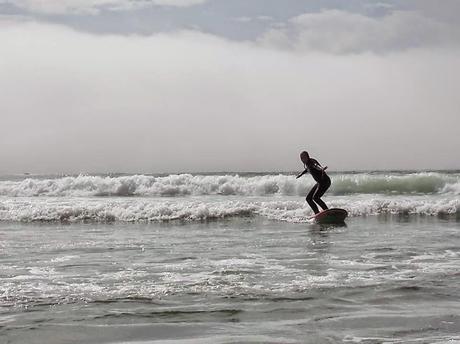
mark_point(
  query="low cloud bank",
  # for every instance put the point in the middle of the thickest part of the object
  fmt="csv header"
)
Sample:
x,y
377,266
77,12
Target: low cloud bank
x,y
190,101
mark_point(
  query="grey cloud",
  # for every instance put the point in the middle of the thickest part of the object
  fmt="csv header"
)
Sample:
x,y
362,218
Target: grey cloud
x,y
339,32
75,102
92,7
445,10
243,19
150,16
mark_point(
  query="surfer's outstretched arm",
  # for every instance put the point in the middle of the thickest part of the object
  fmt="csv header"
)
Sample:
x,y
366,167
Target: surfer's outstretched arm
x,y
300,175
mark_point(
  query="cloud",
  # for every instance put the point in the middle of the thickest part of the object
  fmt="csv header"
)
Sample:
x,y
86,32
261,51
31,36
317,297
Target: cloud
x,y
178,3
76,102
339,32
93,7
265,18
243,19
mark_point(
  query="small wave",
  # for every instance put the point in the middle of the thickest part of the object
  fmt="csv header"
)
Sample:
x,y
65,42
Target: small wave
x,y
80,210
142,210
187,184
416,183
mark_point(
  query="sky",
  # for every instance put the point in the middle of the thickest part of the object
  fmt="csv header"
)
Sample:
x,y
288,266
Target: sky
x,y
158,86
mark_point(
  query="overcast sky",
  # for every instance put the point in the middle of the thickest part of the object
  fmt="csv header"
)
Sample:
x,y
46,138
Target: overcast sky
x,y
148,86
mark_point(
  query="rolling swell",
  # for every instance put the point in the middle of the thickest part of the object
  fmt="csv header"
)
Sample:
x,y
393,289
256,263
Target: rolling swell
x,y
199,185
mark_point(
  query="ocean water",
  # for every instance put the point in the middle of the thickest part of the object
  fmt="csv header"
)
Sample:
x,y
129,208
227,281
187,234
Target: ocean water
x,y
228,258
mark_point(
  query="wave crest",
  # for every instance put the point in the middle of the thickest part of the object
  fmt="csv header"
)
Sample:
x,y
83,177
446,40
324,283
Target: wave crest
x,y
141,210
187,184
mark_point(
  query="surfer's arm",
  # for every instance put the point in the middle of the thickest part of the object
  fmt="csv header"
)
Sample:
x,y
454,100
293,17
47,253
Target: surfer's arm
x,y
322,170
300,175
319,167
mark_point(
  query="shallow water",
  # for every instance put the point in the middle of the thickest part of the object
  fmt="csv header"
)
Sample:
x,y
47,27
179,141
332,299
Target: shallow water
x,y
385,278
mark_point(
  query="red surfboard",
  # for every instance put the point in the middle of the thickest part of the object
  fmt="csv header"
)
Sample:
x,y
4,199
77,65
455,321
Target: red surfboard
x,y
333,215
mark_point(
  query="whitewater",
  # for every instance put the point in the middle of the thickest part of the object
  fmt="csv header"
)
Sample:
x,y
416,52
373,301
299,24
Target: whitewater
x,y
229,258
188,197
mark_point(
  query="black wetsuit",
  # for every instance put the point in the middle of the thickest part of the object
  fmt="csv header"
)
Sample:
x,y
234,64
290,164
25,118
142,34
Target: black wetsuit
x,y
323,182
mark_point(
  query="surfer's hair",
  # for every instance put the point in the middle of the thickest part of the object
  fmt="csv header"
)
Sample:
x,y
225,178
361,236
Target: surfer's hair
x,y
304,157
304,154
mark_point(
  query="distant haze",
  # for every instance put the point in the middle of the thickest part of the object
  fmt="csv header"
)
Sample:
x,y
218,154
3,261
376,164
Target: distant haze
x,y
228,86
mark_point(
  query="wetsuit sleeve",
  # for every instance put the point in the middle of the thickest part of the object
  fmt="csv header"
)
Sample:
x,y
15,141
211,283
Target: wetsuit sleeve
x,y
301,174
317,165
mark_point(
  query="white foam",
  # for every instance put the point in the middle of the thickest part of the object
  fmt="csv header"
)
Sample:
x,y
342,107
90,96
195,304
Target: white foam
x,y
187,184
199,209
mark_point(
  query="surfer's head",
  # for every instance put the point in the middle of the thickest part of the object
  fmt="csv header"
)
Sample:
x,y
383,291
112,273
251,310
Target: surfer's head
x,y
304,157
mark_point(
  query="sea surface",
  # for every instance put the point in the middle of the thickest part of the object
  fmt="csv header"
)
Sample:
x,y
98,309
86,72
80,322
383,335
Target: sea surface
x,y
229,258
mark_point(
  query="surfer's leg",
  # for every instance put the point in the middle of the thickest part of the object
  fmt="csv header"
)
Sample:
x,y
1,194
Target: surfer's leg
x,y
323,186
310,199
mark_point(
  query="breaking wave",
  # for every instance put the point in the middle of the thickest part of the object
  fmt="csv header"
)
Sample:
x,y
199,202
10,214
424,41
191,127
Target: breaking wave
x,y
187,184
144,210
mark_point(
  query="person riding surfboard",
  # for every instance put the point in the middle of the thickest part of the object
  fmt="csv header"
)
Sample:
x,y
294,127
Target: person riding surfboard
x,y
323,182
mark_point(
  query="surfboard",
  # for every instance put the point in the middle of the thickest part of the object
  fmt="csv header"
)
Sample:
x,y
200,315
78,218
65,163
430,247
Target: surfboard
x,y
333,215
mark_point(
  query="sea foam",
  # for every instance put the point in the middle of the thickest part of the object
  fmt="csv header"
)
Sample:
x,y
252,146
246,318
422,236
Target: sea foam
x,y
146,210
262,185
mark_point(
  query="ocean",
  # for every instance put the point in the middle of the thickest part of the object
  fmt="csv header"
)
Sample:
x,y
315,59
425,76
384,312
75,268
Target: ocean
x,y
229,258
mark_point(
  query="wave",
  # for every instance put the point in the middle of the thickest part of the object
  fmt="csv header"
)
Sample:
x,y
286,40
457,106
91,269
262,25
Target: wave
x,y
187,184
414,183
144,210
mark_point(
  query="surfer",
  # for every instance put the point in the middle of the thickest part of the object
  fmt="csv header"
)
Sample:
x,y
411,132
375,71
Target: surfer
x,y
322,181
